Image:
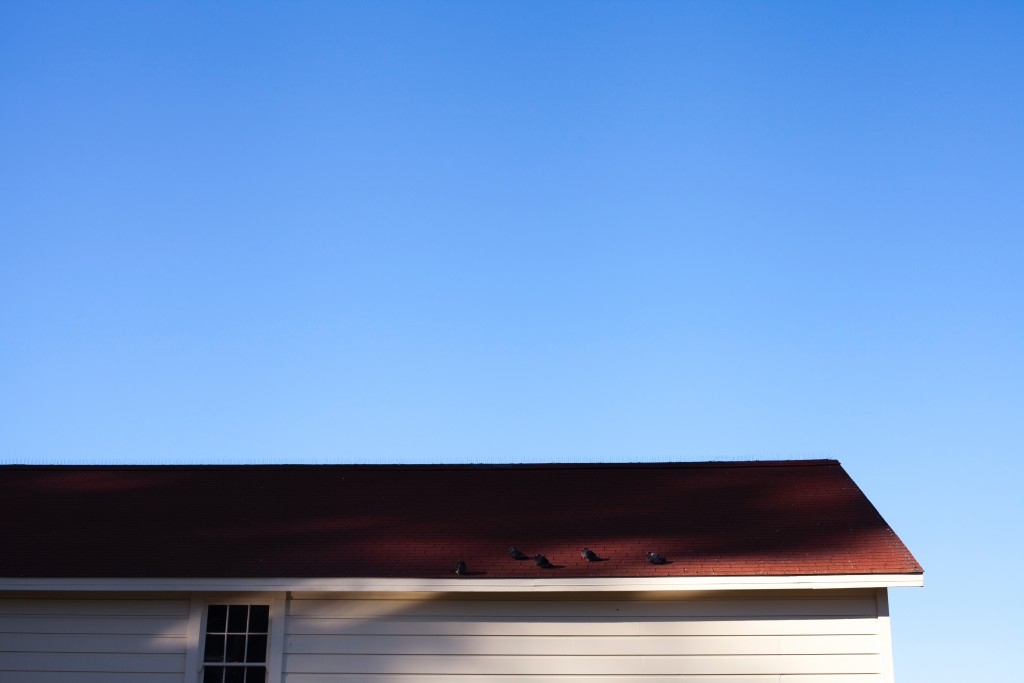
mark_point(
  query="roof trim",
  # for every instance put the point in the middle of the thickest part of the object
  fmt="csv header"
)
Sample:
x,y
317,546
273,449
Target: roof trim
x,y
615,465
357,585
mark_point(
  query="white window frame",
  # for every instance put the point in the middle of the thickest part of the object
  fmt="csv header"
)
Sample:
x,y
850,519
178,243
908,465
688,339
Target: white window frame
x,y
197,626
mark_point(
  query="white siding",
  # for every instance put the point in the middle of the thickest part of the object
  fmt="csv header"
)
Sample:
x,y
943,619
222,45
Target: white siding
x,y
793,636
781,637
93,640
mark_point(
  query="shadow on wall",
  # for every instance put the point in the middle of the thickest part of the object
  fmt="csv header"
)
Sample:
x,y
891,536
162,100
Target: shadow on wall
x,y
760,634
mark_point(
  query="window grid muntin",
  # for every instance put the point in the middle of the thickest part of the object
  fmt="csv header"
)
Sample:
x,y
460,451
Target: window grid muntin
x,y
247,625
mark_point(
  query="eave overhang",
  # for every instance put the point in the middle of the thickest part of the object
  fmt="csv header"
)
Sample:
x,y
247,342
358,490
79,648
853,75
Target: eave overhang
x,y
469,585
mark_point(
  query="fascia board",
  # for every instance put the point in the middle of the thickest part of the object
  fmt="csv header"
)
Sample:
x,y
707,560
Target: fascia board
x,y
469,585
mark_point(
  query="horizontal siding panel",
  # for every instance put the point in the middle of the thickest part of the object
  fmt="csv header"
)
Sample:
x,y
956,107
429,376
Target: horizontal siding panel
x,y
612,609
554,645
89,677
525,626
85,624
77,642
96,608
92,640
752,678
370,678
813,626
99,662
589,596
816,638
829,644
474,665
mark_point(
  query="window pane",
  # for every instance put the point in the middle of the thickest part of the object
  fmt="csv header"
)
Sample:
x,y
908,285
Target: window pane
x,y
213,674
235,675
235,649
259,618
213,651
256,674
257,649
237,616
217,619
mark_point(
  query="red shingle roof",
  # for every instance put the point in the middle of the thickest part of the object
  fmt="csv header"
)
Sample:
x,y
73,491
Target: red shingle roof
x,y
736,518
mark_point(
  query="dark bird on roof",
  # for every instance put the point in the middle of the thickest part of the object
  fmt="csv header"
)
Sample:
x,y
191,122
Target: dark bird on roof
x,y
460,567
589,555
655,558
542,562
516,554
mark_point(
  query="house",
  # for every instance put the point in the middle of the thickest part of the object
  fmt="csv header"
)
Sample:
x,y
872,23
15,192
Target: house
x,y
773,571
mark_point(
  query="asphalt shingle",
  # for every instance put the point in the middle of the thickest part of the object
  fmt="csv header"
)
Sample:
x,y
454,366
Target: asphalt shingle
x,y
707,519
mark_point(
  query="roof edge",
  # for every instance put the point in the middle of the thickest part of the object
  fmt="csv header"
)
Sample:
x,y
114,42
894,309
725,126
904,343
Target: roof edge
x,y
434,466
462,585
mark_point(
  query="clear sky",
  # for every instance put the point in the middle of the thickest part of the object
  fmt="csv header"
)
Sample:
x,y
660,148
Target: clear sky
x,y
536,231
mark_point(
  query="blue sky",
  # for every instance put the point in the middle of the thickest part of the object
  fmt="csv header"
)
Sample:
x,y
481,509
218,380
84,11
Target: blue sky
x,y
488,232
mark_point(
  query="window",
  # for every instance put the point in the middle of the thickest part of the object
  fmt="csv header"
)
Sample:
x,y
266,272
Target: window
x,y
235,644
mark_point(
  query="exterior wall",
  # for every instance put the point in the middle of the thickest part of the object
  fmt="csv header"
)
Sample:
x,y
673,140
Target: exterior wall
x,y
785,636
748,637
89,639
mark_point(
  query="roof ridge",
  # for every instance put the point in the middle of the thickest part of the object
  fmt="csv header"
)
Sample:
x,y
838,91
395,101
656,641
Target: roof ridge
x,y
437,466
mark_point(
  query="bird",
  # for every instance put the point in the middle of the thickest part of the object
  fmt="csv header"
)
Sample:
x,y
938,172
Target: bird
x,y
516,554
460,567
589,555
542,562
655,558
